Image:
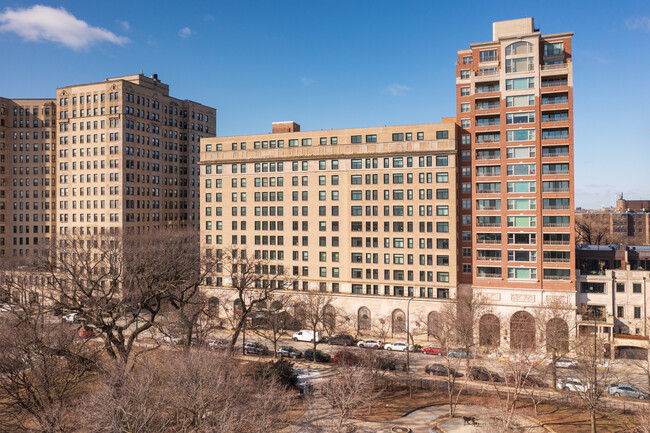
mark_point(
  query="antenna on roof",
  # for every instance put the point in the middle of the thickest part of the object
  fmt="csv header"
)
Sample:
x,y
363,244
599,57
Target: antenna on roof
x,y
142,71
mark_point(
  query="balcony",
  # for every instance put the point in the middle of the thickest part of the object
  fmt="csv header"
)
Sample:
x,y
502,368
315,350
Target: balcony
x,y
554,172
555,83
487,89
489,258
555,242
560,134
487,157
488,224
555,190
491,138
488,208
552,118
488,73
557,277
488,241
556,207
488,122
556,260
555,67
556,225
555,100
487,106
555,154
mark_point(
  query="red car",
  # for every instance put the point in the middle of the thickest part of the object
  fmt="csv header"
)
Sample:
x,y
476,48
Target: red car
x,y
85,333
348,358
432,351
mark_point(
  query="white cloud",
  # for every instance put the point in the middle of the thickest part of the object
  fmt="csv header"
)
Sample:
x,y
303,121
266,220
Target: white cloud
x,y
185,32
125,25
397,89
639,23
208,18
44,23
306,81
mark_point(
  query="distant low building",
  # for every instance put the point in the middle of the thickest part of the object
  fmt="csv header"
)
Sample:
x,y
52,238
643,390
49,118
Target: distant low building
x,y
627,223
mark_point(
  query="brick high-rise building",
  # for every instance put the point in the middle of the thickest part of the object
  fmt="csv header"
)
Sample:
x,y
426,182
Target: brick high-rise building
x,y
27,167
128,156
367,214
516,199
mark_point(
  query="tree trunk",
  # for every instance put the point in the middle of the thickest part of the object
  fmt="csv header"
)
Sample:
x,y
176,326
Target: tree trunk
x,y
592,417
554,370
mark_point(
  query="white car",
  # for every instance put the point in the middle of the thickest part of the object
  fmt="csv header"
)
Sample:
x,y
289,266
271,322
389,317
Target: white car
x,y
172,339
371,344
565,363
70,318
5,308
398,346
572,384
306,335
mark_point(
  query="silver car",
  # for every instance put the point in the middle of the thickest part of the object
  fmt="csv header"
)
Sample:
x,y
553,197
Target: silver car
x,y
624,390
370,344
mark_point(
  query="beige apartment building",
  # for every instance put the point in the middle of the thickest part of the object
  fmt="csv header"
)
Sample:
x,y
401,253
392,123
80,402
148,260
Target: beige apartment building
x,y
27,170
367,214
515,110
127,156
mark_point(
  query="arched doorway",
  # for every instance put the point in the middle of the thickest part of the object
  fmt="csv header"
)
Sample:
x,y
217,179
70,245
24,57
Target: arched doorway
x,y
364,319
489,331
432,323
557,336
398,320
329,319
522,330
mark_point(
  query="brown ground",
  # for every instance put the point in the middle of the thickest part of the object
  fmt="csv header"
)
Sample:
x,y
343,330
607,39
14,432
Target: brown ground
x,y
395,402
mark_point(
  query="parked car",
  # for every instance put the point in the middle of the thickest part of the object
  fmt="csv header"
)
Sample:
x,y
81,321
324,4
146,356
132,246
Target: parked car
x,y
572,384
370,344
255,349
320,356
85,333
289,352
441,370
172,339
341,340
565,363
306,335
70,318
398,346
624,390
346,357
480,373
459,353
529,380
432,350
218,344
5,308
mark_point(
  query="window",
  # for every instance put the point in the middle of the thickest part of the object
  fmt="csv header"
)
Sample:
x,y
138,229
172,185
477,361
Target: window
x,y
465,123
398,136
442,135
519,118
355,139
464,91
520,135
464,74
554,48
637,312
520,101
371,138
590,287
620,311
521,152
442,177
620,287
522,273
488,56
636,288
520,83
442,161
442,277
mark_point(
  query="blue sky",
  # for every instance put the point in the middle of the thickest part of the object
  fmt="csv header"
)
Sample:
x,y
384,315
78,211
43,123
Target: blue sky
x,y
338,64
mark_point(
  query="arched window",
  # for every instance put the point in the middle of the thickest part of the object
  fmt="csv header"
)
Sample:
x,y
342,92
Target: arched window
x,y
398,321
432,323
364,319
522,330
489,330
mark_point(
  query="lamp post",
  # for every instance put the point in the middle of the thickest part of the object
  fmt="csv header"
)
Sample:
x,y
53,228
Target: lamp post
x,y
408,340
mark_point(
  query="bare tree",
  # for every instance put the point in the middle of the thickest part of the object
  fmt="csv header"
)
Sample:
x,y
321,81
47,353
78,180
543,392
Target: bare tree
x,y
593,371
275,318
117,285
555,322
42,368
593,229
381,327
351,387
197,391
253,282
454,333
314,311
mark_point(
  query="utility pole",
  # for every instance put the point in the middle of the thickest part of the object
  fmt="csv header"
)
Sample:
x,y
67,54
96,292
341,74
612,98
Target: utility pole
x,y
408,342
